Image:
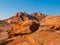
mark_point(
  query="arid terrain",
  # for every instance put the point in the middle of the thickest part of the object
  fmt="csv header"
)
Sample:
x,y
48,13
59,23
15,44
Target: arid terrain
x,y
30,29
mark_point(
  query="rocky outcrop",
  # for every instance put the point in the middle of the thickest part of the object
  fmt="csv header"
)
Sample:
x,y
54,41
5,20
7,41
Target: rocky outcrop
x,y
47,34
52,22
25,27
21,23
38,16
30,29
18,18
23,16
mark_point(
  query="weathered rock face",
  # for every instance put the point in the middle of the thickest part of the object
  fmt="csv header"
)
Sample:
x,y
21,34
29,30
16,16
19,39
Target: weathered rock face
x,y
38,38
33,29
51,20
25,27
22,23
20,41
47,34
20,16
3,36
38,16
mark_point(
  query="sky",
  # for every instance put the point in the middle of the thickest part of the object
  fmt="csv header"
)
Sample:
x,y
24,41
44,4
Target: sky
x,y
9,8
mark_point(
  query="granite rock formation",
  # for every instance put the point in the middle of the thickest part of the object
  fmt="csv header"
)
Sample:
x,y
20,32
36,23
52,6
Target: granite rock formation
x,y
30,29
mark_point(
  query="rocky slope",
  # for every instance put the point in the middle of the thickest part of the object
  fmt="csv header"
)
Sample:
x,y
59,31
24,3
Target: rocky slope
x,y
33,29
23,16
19,18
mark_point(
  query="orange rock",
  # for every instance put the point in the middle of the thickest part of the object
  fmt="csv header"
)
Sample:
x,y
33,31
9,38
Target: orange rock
x,y
55,41
19,41
50,20
45,33
25,27
23,16
38,38
3,36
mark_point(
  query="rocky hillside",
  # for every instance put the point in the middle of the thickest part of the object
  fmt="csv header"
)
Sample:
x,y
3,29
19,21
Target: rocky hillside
x,y
30,29
23,16
19,18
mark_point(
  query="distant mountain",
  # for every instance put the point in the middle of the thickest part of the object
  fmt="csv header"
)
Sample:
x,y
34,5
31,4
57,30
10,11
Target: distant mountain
x,y
23,16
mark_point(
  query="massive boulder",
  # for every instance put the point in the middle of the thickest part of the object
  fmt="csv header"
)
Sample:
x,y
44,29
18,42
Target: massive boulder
x,y
25,27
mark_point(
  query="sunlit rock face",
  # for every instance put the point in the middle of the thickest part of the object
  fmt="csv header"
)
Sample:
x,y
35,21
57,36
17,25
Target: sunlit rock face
x,y
51,20
30,29
23,16
25,27
18,18
37,38
7,24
